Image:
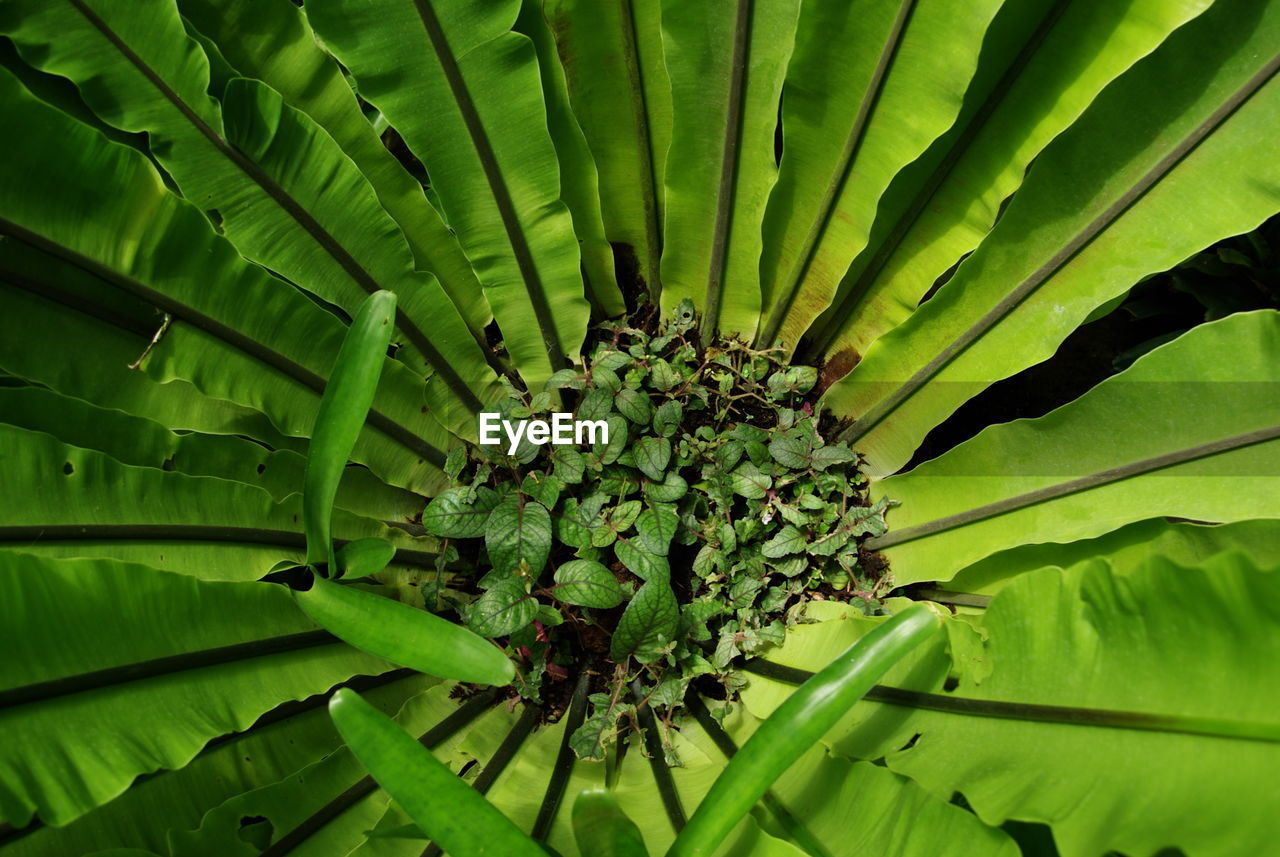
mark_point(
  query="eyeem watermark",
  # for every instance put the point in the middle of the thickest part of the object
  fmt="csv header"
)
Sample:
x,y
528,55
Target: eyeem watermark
x,y
561,431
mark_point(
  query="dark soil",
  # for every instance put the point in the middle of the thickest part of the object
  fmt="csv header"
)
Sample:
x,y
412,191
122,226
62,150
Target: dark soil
x,y
635,292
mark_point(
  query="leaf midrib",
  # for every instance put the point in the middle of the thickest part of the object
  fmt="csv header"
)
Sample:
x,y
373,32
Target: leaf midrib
x,y
1209,727
644,146
1082,239
465,104
232,337
1072,486
566,758
922,199
442,731
835,187
28,534
730,157
289,205
162,666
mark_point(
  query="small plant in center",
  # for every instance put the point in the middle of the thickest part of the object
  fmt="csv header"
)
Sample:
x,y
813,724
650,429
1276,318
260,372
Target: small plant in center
x,y
696,533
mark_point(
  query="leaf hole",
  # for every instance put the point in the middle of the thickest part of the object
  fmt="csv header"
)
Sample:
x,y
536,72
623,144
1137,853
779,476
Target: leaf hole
x,y
493,335
257,831
777,137
68,468
626,267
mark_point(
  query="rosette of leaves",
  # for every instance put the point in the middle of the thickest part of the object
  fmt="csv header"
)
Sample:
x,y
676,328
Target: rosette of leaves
x,y
694,534
930,207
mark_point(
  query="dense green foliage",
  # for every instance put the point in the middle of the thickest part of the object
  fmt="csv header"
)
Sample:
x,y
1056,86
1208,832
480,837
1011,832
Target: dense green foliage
x,y
795,254
688,536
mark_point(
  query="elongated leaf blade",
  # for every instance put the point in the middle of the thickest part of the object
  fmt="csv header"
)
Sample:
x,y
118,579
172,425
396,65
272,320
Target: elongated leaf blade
x,y
147,75
1114,220
621,95
601,827
273,42
486,147
1127,549
797,725
66,501
942,205
105,685
404,634
579,184
343,409
144,443
1099,462
868,89
1182,672
224,341
864,805
721,168
29,322
260,125
442,805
